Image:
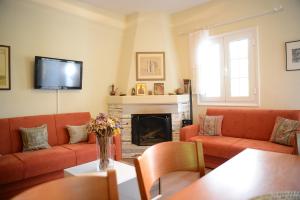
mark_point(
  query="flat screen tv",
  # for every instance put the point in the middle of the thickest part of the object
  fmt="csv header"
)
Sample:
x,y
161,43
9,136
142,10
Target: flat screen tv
x,y
57,74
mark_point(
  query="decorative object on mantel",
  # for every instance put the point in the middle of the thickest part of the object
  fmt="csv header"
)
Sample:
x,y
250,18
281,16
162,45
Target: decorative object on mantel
x,y
292,55
133,93
150,66
171,93
113,91
104,127
4,67
141,89
122,94
150,92
179,91
159,89
186,83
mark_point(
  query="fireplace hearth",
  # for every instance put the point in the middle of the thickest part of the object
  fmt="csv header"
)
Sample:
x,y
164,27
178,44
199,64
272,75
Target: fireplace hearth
x,y
149,129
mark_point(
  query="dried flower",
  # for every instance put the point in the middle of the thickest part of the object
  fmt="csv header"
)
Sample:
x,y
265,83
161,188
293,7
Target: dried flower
x,y
104,125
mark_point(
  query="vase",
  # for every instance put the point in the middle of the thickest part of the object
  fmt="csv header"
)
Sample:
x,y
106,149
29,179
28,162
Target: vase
x,y
105,152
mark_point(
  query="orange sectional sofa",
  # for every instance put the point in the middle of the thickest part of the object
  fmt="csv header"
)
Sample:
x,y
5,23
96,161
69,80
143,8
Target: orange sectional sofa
x,y
241,129
20,170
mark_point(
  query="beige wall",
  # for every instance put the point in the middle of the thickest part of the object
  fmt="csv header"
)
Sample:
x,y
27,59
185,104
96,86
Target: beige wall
x,y
33,29
146,32
279,89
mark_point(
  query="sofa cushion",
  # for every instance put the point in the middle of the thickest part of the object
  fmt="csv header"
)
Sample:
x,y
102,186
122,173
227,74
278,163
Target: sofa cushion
x,y
250,123
284,131
84,152
261,145
219,146
92,138
62,120
35,138
77,133
28,122
5,142
46,160
210,125
11,169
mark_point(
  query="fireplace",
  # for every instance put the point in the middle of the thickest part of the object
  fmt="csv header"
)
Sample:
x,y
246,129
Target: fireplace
x,y
149,129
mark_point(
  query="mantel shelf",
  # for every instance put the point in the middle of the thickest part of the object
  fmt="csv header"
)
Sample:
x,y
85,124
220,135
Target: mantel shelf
x,y
148,99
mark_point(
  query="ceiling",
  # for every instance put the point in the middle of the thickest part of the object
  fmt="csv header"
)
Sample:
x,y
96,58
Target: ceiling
x,y
126,7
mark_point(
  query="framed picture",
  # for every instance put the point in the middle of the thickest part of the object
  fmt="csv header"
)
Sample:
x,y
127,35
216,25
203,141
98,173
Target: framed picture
x,y
150,66
141,89
292,55
159,89
4,67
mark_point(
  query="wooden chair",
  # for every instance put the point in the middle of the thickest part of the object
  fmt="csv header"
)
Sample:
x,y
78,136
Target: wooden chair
x,y
166,157
76,187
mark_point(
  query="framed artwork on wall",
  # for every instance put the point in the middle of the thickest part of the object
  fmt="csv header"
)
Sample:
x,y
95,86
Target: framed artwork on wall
x,y
4,67
141,89
150,66
159,89
292,55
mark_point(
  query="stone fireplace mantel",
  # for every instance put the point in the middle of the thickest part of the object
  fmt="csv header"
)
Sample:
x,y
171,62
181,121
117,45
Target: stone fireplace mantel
x,y
148,99
124,107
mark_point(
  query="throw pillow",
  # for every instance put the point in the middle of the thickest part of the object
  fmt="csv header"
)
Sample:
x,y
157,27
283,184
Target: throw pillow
x,y
35,138
77,133
284,131
210,125
92,138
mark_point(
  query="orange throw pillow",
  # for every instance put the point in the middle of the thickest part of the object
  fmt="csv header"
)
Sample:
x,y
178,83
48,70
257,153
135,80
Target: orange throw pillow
x,y
210,125
284,131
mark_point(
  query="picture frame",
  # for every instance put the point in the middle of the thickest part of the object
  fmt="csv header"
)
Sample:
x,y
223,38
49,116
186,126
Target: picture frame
x,y
141,89
292,50
150,66
5,81
159,89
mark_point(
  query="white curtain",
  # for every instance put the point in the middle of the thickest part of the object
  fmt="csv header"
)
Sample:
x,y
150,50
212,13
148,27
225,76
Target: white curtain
x,y
197,44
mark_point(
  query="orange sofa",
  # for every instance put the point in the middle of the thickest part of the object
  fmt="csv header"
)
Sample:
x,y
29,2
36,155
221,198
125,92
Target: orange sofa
x,y
20,170
241,129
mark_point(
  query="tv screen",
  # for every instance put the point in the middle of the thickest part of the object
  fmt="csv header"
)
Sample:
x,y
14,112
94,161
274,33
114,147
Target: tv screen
x,y
54,73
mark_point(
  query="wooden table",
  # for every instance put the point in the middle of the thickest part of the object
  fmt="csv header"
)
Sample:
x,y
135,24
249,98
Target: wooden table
x,y
251,173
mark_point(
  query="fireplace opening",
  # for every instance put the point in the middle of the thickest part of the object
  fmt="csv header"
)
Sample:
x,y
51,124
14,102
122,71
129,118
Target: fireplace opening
x,y
149,129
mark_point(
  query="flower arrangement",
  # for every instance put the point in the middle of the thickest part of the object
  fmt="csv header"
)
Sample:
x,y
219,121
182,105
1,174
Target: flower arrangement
x,y
104,127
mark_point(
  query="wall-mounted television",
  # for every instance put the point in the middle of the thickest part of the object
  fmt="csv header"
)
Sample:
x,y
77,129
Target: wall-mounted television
x,y
57,74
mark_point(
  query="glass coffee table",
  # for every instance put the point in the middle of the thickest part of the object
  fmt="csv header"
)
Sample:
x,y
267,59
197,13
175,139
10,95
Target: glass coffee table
x,y
126,177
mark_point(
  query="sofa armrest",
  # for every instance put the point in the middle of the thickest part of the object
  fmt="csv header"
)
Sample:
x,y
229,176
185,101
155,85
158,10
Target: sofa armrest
x,y
118,146
188,131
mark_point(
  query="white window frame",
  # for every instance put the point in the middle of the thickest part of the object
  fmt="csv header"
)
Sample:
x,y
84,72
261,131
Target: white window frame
x,y
254,95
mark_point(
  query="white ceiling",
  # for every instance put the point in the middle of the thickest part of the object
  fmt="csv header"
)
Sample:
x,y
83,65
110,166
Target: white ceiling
x,y
126,7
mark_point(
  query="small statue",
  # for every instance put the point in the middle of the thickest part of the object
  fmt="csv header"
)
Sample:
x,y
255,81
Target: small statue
x,y
113,91
133,92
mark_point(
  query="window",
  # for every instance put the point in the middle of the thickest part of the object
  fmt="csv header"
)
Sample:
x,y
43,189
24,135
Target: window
x,y
228,73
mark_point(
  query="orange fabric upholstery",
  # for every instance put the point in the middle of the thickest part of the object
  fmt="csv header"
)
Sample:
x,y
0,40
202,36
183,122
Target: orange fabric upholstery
x,y
11,169
241,128
5,141
76,119
251,123
46,160
29,122
84,152
20,170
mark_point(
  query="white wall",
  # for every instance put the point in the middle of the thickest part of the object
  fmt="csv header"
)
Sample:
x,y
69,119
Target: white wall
x,y
33,29
146,32
280,89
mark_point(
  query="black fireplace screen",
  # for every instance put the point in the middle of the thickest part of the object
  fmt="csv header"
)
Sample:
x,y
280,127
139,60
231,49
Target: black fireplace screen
x,y
149,129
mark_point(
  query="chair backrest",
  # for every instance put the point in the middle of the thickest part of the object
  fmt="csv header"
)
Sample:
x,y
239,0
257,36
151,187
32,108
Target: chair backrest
x,y
166,157
77,187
